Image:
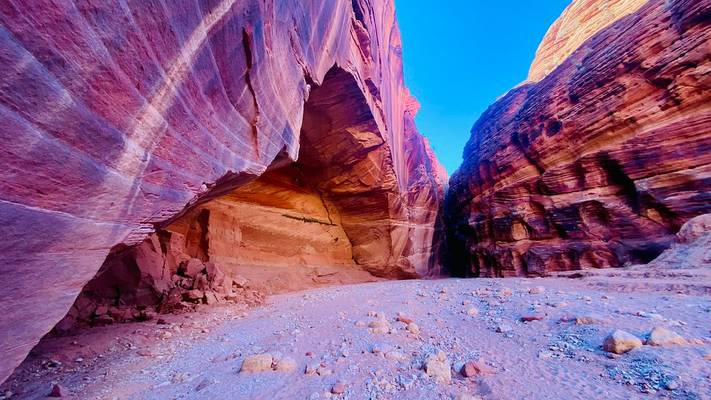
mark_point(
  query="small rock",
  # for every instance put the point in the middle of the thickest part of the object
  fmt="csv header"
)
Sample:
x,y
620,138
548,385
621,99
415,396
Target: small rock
x,y
437,366
413,328
311,368
239,281
204,384
707,357
404,319
473,312
323,370
504,328
194,295
664,337
653,316
286,364
338,388
257,363
58,391
193,267
379,348
531,317
620,342
586,320
361,324
536,290
211,298
672,385
379,326
474,368
504,292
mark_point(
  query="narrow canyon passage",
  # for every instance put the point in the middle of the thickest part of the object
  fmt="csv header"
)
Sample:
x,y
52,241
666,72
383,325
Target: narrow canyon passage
x,y
209,199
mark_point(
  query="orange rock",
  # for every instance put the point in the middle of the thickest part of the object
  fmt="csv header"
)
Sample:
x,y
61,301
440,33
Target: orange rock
x,y
474,368
580,21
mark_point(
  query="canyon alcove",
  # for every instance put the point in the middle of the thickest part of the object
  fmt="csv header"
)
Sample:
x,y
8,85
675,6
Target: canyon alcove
x,y
333,216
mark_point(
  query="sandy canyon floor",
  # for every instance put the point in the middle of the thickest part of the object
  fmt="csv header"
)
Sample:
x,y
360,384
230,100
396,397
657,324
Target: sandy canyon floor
x,y
347,342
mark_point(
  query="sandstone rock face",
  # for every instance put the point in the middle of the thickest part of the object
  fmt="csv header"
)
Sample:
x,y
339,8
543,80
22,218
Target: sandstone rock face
x,y
579,22
120,117
598,164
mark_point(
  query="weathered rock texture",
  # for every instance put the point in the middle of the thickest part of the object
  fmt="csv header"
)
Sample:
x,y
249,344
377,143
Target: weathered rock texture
x,y
579,22
119,116
598,164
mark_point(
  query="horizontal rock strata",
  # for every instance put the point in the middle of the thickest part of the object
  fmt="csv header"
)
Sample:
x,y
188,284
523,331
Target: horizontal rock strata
x,y
598,164
579,22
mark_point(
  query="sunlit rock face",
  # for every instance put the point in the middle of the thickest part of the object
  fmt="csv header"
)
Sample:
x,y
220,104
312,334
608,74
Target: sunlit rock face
x,y
599,163
122,116
579,22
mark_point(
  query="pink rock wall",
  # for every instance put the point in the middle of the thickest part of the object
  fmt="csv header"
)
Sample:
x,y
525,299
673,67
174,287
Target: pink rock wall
x,y
601,162
117,116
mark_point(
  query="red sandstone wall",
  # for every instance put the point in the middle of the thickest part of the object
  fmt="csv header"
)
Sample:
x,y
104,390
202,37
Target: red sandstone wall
x,y
116,116
599,163
579,22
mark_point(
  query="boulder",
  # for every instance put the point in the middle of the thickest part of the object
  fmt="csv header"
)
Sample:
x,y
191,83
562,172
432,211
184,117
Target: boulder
x,y
620,342
257,363
661,336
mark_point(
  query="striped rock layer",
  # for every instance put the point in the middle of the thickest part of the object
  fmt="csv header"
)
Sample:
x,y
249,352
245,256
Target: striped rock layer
x,y
601,162
119,116
579,22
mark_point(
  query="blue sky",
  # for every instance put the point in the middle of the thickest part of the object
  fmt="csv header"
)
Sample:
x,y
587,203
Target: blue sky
x,y
460,55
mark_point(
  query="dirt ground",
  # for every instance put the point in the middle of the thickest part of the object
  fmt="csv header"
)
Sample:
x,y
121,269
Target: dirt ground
x,y
349,339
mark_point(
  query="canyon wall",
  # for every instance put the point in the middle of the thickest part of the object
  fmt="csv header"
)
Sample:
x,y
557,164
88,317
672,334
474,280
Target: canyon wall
x,y
600,162
579,22
120,118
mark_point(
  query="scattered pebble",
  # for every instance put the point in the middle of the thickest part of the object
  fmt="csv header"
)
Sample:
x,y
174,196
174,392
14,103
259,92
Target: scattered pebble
x,y
58,391
338,388
404,319
504,292
413,328
474,368
531,317
537,290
